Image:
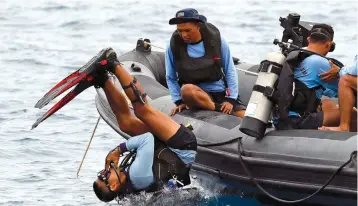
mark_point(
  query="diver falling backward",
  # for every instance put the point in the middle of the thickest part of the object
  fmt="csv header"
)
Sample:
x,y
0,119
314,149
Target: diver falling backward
x,y
152,131
164,150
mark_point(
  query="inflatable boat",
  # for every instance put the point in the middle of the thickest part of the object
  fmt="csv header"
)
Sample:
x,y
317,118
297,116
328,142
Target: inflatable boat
x,y
294,160
291,164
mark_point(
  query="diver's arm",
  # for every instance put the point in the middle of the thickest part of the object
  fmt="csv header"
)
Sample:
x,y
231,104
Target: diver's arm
x,y
140,172
171,76
138,143
229,70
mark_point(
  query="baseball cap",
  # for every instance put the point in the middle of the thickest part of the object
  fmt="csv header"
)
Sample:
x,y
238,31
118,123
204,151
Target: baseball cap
x,y
187,15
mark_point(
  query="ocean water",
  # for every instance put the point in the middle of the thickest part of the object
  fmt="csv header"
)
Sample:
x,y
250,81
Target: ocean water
x,y
41,42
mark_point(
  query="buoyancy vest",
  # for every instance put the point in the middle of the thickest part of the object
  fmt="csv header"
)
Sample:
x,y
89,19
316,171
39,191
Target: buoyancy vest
x,y
207,68
166,165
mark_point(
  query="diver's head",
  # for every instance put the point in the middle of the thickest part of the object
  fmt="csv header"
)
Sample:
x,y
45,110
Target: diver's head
x,y
108,184
321,39
188,24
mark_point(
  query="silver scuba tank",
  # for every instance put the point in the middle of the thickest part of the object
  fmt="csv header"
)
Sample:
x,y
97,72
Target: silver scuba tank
x,y
260,105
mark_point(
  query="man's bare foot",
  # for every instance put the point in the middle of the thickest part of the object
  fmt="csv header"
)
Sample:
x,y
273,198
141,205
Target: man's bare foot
x,y
336,129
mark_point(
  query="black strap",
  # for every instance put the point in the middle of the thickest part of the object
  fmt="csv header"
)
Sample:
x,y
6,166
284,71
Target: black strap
x,y
140,97
267,91
335,61
276,68
225,81
138,100
130,85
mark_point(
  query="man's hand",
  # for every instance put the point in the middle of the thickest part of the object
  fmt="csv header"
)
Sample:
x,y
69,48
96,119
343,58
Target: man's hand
x,y
178,109
113,156
332,74
226,107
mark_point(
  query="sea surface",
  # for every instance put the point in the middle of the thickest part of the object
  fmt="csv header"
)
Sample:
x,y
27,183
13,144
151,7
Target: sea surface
x,y
42,42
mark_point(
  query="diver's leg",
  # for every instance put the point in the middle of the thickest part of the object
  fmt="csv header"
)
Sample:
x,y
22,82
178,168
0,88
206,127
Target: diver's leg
x,y
346,89
160,124
194,97
126,121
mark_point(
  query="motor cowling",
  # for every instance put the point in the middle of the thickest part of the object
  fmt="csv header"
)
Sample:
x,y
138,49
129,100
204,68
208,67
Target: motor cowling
x,y
260,104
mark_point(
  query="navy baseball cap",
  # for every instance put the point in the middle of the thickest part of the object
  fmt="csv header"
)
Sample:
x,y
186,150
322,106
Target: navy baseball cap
x,y
187,15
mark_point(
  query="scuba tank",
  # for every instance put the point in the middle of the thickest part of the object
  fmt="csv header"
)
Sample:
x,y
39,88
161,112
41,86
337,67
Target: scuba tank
x,y
260,104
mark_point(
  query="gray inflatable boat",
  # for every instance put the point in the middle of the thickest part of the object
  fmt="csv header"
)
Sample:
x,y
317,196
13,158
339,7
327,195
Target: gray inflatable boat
x,y
299,161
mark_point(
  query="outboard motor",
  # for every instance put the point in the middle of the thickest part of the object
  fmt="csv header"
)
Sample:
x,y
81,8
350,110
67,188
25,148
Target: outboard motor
x,y
260,104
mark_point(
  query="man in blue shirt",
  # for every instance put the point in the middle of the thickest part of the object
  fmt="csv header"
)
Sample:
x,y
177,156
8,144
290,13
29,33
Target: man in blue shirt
x,y
347,94
154,134
308,74
200,71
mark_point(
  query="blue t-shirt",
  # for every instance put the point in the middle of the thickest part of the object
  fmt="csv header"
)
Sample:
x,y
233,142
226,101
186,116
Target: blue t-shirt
x,y
141,173
196,51
308,73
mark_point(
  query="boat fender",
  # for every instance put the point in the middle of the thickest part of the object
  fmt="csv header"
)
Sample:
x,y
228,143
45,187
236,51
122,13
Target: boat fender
x,y
260,104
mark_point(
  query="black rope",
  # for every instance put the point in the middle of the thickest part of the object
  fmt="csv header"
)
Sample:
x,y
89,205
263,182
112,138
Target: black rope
x,y
289,201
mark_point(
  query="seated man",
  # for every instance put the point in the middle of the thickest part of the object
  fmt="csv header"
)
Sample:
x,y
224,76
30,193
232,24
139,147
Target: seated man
x,y
200,71
347,94
309,87
154,134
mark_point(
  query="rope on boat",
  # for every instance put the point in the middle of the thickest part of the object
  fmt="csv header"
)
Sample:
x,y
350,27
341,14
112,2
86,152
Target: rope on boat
x,y
241,150
89,143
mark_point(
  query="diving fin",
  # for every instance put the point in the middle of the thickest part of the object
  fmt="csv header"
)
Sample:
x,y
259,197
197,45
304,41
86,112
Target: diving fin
x,y
83,85
82,77
71,80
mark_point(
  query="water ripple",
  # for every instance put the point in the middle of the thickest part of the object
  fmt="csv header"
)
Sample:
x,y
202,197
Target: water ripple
x,y
26,139
54,8
71,24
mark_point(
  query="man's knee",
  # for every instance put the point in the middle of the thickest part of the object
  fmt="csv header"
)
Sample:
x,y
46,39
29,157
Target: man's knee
x,y
348,81
188,92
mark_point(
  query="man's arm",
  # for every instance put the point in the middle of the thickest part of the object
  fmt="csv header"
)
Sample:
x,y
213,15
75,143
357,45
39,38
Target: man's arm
x,y
229,70
335,72
143,144
171,77
332,86
351,70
